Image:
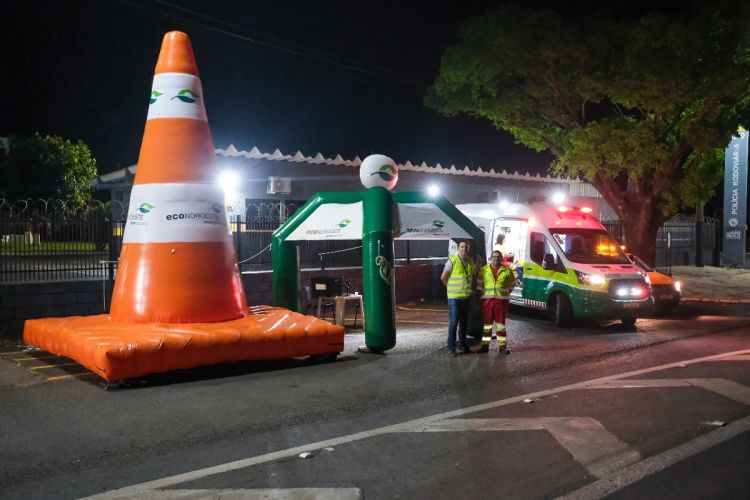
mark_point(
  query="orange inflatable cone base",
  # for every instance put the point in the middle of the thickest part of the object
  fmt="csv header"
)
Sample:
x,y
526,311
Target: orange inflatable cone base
x,y
178,300
118,351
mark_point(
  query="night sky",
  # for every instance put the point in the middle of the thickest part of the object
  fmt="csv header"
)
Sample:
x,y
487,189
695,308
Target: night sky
x,y
83,70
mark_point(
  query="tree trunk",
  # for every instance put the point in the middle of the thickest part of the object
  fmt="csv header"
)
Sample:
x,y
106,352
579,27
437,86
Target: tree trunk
x,y
638,208
640,226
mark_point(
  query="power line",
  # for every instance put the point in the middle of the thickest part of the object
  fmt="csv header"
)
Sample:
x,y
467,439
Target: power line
x,y
270,43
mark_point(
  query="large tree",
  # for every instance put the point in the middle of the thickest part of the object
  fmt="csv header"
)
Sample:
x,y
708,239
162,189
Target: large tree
x,y
46,167
641,106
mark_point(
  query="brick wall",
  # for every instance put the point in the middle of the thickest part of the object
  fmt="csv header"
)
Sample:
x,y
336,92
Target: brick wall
x,y
41,300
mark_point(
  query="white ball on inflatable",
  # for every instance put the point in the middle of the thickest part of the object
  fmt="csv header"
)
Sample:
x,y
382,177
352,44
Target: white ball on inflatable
x,y
378,170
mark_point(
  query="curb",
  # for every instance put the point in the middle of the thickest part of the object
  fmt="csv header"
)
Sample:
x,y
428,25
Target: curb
x,y
715,301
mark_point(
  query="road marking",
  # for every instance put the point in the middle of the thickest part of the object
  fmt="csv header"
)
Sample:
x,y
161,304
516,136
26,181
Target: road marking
x,y
11,352
35,357
423,322
590,444
727,388
72,375
635,472
147,488
745,357
419,309
260,494
44,367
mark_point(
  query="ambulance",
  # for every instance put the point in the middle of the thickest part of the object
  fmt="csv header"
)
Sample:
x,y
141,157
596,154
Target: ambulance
x,y
566,262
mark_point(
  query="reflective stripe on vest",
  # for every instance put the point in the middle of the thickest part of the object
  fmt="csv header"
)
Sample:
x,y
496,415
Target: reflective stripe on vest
x,y
459,282
496,288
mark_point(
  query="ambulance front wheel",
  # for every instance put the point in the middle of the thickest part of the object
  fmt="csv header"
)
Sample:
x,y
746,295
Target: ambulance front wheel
x,y
628,322
562,310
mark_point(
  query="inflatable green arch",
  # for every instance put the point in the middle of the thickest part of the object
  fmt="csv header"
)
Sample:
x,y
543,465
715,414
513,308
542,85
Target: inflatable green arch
x,y
380,214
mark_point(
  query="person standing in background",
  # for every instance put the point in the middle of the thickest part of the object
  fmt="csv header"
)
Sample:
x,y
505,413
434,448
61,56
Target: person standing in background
x,y
459,278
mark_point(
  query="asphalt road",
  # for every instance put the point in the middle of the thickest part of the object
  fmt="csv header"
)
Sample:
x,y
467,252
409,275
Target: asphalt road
x,y
659,410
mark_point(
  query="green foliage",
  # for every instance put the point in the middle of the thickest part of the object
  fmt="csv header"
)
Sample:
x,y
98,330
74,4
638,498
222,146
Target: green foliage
x,y
642,108
46,167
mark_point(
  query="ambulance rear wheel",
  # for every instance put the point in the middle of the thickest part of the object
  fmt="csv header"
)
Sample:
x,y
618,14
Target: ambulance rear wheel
x,y
563,312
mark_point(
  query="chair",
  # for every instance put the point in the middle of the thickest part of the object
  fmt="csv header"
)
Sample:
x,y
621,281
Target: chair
x,y
356,310
324,289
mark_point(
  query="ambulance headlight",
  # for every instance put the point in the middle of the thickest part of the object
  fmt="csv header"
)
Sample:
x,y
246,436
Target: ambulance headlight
x,y
677,287
590,279
629,292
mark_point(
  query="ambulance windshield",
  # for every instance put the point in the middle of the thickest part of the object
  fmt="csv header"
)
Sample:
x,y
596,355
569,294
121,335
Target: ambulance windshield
x,y
590,246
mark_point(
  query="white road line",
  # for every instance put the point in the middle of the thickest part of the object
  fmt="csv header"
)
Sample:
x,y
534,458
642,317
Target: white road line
x,y
635,472
150,486
743,357
590,444
727,388
259,494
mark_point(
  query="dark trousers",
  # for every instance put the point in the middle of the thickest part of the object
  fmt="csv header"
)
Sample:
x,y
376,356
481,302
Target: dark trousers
x,y
458,311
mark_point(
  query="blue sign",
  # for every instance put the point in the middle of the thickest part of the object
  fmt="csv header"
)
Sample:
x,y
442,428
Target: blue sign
x,y
735,200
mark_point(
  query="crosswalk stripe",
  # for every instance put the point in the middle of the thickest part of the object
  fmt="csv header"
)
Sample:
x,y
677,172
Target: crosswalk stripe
x,y
590,444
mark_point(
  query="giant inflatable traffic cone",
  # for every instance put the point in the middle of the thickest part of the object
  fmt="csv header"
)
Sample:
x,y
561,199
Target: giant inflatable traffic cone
x,y
177,263
178,276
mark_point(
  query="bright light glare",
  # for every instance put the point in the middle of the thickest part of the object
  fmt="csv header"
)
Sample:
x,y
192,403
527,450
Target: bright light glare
x,y
596,279
562,208
678,286
622,292
636,292
586,210
558,197
228,181
503,203
433,190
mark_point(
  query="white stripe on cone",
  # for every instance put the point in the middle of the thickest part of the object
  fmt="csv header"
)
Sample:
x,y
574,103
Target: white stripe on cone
x,y
176,95
174,213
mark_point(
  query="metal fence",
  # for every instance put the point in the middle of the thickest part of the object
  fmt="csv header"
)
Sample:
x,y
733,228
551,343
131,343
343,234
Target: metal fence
x,y
43,241
676,241
47,240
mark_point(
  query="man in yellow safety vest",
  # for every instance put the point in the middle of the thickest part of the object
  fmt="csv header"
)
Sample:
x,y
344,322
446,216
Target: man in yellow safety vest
x,y
495,282
459,277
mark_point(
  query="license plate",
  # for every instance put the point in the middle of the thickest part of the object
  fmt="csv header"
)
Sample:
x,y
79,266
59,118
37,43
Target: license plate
x,y
665,296
630,305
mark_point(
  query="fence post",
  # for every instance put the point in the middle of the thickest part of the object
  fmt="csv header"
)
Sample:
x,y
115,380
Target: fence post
x,y
237,237
699,234
716,254
110,255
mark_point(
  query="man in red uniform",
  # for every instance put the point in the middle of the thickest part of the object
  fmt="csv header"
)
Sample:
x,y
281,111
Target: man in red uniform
x,y
495,282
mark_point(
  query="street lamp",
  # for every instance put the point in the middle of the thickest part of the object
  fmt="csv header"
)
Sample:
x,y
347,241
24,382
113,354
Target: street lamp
x,y
228,181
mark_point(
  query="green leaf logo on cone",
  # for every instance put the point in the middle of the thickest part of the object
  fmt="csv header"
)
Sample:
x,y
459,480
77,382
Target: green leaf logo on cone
x,y
344,223
186,95
386,172
438,223
155,94
146,208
